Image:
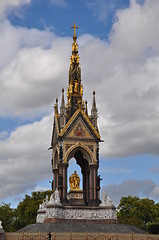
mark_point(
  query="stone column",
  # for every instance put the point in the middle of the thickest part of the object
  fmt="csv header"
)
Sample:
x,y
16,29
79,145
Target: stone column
x,y
86,189
63,172
93,185
65,165
55,183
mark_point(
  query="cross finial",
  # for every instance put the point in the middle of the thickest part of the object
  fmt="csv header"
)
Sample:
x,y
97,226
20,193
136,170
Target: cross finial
x,y
75,27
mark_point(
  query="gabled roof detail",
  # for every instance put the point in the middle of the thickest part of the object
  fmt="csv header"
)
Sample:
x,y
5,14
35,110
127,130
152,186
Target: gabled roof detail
x,y
77,115
79,130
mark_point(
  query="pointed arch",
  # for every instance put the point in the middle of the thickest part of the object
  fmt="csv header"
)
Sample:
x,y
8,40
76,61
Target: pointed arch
x,y
84,149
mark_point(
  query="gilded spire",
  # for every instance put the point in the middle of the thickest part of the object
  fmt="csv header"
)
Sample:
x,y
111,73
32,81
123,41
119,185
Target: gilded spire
x,y
75,55
75,89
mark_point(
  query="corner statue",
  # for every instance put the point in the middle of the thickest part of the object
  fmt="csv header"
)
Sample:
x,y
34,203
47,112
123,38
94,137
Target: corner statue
x,y
74,181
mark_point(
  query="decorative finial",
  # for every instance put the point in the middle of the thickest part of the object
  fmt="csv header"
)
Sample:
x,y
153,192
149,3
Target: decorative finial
x,y
62,100
94,102
86,110
56,106
75,27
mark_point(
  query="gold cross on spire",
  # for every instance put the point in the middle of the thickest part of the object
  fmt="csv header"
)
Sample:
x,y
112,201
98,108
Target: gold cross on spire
x,y
75,27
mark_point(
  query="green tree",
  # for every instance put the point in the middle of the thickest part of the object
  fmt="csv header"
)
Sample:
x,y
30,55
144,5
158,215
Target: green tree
x,y
138,212
26,211
7,217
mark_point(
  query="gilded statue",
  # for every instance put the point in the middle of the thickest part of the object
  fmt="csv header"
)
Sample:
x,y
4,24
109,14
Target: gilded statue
x,y
71,88
67,92
76,87
81,92
74,181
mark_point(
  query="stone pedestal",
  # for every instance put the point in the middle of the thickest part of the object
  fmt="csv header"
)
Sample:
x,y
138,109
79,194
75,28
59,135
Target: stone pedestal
x,y
75,198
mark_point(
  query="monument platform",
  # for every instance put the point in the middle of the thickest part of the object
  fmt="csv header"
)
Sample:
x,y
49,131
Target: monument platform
x,y
53,211
81,228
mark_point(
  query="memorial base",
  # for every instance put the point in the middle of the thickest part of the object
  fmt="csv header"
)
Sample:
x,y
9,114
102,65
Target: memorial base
x,y
79,214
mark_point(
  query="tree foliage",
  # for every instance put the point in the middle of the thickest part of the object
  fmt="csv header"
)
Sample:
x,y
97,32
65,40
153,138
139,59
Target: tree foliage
x,y
7,217
141,213
24,214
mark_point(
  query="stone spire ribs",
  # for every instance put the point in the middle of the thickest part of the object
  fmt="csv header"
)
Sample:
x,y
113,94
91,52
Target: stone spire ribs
x,y
75,89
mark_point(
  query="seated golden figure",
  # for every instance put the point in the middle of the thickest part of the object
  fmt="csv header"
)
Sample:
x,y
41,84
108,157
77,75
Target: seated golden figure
x,y
74,181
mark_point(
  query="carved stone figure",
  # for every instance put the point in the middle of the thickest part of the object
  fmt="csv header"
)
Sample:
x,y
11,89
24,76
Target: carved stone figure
x,y
74,181
52,201
57,198
106,200
44,203
46,199
1,225
40,206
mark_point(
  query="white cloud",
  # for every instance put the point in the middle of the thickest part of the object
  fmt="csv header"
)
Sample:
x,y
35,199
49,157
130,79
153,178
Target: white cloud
x,y
25,159
7,5
30,68
132,187
103,9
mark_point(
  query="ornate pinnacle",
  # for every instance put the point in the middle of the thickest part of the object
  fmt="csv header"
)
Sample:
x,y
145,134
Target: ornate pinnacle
x,y
75,27
86,110
94,102
62,100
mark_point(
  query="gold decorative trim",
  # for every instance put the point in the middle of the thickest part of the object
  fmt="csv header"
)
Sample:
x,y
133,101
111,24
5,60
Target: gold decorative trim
x,y
91,125
85,116
70,120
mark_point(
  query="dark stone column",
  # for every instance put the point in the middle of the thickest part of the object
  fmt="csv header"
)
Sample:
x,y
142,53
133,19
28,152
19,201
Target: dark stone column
x,y
86,186
94,195
91,185
63,172
55,182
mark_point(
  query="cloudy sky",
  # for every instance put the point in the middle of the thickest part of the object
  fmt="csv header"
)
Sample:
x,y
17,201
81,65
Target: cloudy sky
x,y
119,56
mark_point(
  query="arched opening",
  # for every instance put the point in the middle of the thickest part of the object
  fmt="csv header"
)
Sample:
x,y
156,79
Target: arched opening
x,y
81,159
